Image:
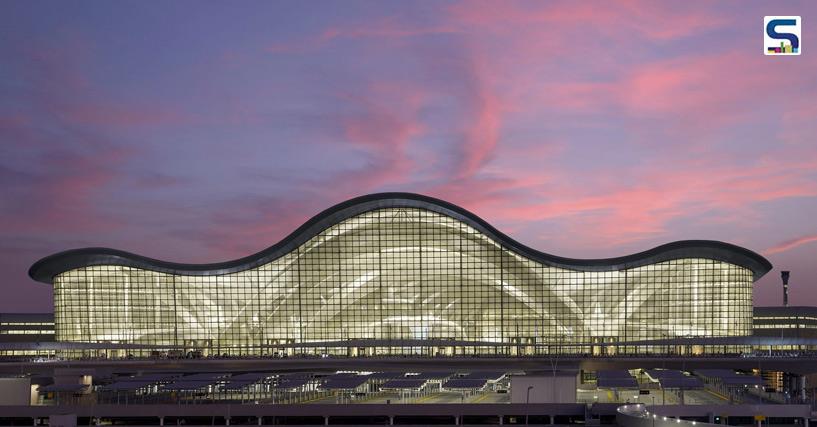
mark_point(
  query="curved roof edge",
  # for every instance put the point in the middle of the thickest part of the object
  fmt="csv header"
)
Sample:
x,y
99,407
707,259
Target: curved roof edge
x,y
47,268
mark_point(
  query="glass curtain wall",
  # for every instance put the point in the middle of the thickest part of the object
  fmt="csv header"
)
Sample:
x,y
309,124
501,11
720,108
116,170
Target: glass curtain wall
x,y
413,282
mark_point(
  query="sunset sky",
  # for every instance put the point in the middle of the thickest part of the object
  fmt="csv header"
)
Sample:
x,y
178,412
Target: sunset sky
x,y
206,131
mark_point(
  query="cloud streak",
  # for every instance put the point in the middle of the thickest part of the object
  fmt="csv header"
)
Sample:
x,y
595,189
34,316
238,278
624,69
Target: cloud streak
x,y
790,244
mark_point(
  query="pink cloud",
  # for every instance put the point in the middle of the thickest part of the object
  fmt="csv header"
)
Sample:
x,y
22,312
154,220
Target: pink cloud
x,y
670,190
510,64
68,163
386,122
699,89
483,127
790,244
704,89
637,20
66,195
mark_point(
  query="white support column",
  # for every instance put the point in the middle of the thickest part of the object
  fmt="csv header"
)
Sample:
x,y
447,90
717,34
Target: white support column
x,y
803,390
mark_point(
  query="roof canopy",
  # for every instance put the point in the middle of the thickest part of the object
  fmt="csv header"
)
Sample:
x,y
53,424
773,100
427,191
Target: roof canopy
x,y
47,268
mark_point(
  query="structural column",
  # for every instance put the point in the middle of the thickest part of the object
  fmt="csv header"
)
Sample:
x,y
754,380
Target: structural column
x,y
803,390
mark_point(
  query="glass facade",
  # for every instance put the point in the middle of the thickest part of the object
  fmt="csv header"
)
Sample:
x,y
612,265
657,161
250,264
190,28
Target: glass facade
x,y
412,281
797,324
17,330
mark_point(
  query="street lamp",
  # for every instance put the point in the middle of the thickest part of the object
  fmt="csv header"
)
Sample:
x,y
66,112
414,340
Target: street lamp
x,y
527,401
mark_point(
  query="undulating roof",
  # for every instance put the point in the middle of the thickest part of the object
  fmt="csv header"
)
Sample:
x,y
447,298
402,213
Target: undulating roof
x,y
47,268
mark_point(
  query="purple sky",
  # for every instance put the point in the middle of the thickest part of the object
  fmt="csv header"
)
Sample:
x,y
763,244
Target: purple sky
x,y
199,132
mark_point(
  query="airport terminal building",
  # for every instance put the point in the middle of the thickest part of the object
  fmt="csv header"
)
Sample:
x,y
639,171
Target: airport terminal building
x,y
405,274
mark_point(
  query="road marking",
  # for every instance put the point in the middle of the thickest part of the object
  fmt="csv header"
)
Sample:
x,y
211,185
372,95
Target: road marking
x,y
717,395
426,398
480,398
317,398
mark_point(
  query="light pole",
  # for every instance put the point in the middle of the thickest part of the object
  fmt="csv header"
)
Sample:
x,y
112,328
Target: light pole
x,y
527,401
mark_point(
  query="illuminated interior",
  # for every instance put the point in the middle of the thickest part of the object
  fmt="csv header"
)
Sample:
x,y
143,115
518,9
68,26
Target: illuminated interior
x,y
402,277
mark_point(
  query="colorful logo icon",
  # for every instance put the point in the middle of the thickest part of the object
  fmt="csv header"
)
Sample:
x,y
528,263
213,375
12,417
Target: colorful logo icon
x,y
781,35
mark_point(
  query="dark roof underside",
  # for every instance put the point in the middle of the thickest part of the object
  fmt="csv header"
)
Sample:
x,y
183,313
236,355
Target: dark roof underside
x,y
47,268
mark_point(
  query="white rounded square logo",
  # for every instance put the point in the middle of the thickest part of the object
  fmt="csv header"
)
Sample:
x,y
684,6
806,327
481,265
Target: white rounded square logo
x,y
782,35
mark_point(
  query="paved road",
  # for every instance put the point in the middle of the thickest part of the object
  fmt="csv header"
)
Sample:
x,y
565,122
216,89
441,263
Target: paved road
x,y
703,397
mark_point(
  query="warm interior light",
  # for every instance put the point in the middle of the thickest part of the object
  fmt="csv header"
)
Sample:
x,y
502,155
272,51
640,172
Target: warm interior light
x,y
403,274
